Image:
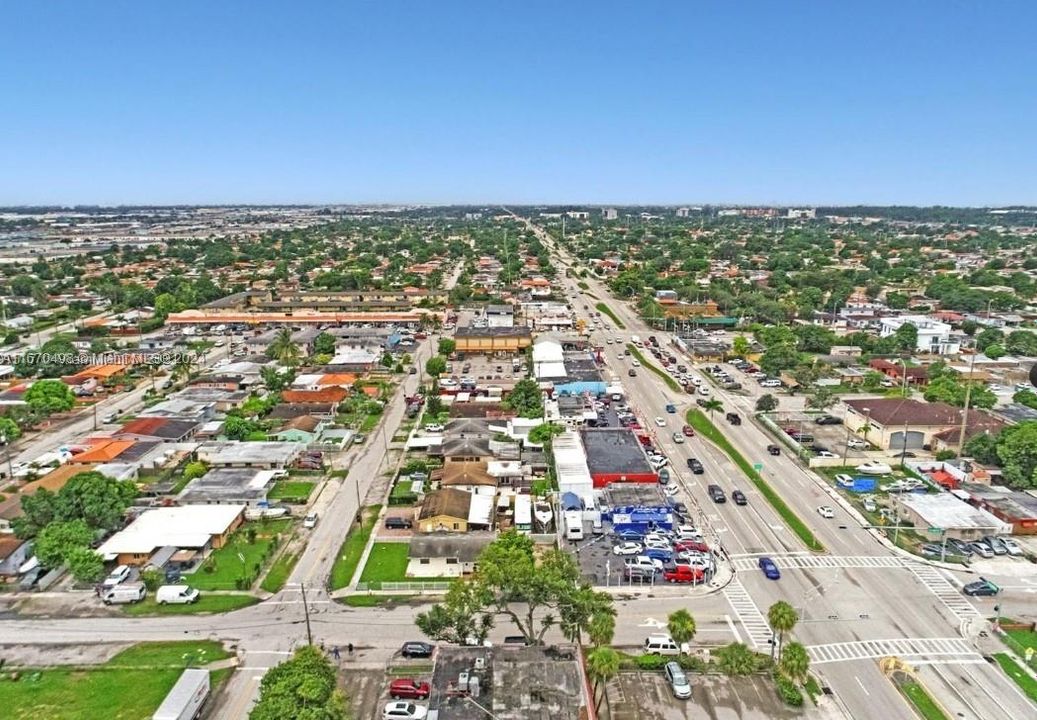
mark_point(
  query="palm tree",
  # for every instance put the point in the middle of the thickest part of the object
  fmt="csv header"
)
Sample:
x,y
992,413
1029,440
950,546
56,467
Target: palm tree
x,y
184,367
284,349
602,666
601,628
782,617
795,662
681,625
712,405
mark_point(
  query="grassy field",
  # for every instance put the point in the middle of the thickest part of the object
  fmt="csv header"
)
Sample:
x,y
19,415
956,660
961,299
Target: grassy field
x,y
386,563
296,489
606,310
129,686
702,424
920,700
1018,674
227,566
278,573
352,548
652,367
207,603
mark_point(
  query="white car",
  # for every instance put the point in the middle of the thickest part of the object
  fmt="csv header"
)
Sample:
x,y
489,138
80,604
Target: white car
x,y
635,363
844,480
703,390
659,543
608,341
310,521
771,383
404,710
826,511
660,422
116,576
644,561
827,454
627,548
434,428
696,381
678,438
856,444
1012,546
671,490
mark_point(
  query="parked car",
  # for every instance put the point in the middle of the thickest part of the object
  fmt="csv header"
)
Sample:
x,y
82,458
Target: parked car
x,y
981,549
739,497
828,420
310,521
981,587
679,684
176,595
643,561
124,593
116,576
417,649
406,688
402,710
1012,546
627,548
770,570
398,523
855,444
635,573
996,544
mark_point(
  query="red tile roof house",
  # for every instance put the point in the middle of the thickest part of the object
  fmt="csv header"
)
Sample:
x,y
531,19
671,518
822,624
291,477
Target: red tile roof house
x,y
895,371
890,418
165,429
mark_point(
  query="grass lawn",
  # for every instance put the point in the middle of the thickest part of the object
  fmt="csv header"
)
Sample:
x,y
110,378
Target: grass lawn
x,y
369,423
606,310
207,603
652,367
228,567
386,563
702,424
278,573
127,687
921,701
300,489
813,688
352,548
1019,674
375,600
1026,638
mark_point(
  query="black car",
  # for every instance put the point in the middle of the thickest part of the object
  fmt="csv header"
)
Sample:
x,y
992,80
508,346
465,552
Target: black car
x,y
828,420
398,523
701,402
716,493
679,508
695,466
819,448
981,587
774,450
739,498
417,649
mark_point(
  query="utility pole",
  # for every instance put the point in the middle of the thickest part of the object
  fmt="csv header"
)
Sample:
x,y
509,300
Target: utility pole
x,y
7,451
968,398
306,613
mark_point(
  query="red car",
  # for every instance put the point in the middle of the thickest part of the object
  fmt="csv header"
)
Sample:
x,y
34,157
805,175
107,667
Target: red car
x,y
684,574
682,545
688,431
409,689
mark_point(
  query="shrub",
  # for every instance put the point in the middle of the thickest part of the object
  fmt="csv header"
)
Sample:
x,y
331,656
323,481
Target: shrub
x,y
788,691
650,662
693,663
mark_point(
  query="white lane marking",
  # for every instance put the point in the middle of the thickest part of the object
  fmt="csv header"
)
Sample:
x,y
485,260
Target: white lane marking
x,y
734,630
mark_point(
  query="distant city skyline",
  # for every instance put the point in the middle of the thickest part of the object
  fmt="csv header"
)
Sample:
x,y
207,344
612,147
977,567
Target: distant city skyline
x,y
752,103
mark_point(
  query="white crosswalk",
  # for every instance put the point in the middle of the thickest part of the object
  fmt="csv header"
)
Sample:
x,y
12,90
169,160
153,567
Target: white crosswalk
x,y
748,613
818,562
915,650
949,595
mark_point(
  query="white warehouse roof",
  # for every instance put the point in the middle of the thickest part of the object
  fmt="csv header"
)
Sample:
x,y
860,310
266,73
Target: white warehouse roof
x,y
186,526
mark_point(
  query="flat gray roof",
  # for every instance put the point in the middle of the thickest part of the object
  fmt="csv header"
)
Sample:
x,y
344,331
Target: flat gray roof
x,y
614,450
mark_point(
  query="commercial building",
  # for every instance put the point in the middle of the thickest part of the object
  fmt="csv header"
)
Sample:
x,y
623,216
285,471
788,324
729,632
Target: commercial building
x,y
944,515
904,423
1018,509
571,467
616,455
192,529
492,340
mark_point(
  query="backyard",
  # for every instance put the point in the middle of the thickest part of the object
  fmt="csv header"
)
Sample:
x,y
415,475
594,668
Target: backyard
x,y
139,677
236,565
294,490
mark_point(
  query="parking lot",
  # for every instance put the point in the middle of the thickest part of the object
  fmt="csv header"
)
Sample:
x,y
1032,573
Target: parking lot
x,y
483,367
647,696
832,437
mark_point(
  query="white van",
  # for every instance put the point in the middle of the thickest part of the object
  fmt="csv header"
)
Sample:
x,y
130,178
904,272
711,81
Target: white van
x,y
116,576
124,594
176,595
664,645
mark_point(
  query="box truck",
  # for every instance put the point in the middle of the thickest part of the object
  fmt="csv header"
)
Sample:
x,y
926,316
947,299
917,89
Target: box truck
x,y
186,698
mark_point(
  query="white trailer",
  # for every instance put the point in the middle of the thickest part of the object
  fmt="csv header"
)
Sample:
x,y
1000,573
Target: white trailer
x,y
574,525
186,698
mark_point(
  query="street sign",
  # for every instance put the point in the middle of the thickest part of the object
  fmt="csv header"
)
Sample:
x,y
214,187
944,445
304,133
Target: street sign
x,y
757,467
935,530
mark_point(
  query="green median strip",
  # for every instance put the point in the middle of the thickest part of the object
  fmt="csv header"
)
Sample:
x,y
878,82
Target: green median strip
x,y
648,365
921,700
704,427
1018,674
602,307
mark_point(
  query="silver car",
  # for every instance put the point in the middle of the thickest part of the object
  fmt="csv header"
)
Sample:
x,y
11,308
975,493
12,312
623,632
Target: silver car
x,y
678,680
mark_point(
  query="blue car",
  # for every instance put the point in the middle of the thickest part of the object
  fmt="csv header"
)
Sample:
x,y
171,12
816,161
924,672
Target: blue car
x,y
658,554
769,568
630,535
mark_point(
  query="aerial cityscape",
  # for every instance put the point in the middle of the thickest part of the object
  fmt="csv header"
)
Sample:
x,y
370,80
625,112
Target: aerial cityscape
x,y
598,362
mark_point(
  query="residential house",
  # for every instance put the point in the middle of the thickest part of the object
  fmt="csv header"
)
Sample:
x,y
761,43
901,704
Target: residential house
x,y
13,554
445,554
303,429
193,529
229,486
934,337
260,455
446,509
157,428
470,476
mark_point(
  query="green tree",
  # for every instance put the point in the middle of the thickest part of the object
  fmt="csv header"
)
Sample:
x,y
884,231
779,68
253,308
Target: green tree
x,y
740,346
50,396
735,659
57,540
821,398
302,688
9,429
681,626
949,388
435,365
86,565
459,618
238,428
1017,450
873,380
794,662
152,578
284,349
526,399
542,434
91,497
988,337
814,338
445,346
387,360
1026,397
324,344
711,406
184,367
995,351
782,617
601,628
277,379
1022,342
983,449
195,470
779,358
767,403
602,665
906,337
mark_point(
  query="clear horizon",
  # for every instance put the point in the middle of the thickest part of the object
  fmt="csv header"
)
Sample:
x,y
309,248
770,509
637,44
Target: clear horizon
x,y
601,103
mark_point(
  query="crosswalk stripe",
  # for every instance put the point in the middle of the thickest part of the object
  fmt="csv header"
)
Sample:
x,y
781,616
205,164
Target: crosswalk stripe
x,y
807,562
923,650
953,600
748,613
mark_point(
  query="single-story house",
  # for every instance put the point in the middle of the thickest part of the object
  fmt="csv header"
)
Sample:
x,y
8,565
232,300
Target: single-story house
x,y
465,449
303,429
943,514
13,554
446,554
471,476
445,510
157,428
223,486
260,455
1018,509
325,411
194,528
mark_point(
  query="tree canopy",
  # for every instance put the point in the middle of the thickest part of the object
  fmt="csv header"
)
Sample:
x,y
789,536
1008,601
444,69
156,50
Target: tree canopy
x,y
302,688
50,396
97,500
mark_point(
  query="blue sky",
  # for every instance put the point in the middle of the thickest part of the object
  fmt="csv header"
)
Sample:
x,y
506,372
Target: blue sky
x,y
595,102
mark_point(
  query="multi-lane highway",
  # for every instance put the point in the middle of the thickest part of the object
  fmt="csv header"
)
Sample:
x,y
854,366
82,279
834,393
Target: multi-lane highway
x,y
859,601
